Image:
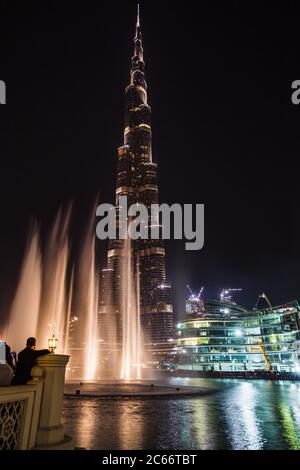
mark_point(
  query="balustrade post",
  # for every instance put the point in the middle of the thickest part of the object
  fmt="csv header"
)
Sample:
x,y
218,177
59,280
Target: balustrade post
x,y
50,432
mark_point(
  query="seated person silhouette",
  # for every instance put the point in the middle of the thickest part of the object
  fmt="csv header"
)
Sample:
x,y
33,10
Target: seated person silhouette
x,y
26,361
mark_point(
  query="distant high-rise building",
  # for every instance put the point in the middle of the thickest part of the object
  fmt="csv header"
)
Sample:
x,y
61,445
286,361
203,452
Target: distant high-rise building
x,y
137,179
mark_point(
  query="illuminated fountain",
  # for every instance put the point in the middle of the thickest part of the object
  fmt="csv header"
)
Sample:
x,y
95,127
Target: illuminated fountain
x,y
52,296
44,296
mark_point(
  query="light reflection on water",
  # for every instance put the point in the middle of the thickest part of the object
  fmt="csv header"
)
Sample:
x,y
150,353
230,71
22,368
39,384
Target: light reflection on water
x,y
240,415
243,425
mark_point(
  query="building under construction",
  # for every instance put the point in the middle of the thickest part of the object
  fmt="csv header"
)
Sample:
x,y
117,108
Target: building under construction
x,y
225,337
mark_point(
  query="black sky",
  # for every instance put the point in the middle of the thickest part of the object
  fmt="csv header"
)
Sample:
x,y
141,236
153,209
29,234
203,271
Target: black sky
x,y
225,132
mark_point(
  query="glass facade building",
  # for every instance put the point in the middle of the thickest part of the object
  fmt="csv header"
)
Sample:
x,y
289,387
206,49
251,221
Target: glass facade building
x,y
228,337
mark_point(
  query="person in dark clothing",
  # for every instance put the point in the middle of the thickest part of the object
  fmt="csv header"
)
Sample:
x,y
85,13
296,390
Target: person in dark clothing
x,y
26,361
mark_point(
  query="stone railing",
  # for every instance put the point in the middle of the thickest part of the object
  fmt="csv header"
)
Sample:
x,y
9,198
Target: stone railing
x,y
19,413
30,415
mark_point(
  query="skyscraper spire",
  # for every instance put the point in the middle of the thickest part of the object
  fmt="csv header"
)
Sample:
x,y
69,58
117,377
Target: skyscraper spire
x,y
138,33
138,66
138,15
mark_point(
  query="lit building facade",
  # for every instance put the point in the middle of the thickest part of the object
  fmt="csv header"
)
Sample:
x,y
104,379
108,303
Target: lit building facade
x,y
137,180
227,337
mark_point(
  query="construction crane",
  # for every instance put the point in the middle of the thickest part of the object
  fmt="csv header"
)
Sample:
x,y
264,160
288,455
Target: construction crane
x,y
190,290
263,351
192,293
194,304
263,296
200,292
226,296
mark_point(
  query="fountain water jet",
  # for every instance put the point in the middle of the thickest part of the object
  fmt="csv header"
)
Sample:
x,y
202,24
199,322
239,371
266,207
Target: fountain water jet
x,y
23,315
131,347
52,315
68,317
87,286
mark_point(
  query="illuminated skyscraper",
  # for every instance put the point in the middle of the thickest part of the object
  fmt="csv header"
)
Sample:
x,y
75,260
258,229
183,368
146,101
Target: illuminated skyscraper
x,y
137,179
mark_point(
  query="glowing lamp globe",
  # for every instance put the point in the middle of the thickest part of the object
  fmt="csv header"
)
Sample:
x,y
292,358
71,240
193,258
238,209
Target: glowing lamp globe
x,y
52,343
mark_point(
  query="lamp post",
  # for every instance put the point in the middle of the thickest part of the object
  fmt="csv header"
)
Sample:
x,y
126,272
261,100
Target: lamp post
x,y
52,344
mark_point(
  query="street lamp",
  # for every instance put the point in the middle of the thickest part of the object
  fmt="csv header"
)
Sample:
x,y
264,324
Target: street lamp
x,y
52,344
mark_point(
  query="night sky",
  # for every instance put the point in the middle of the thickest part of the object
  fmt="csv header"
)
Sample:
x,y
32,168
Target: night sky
x,y
225,132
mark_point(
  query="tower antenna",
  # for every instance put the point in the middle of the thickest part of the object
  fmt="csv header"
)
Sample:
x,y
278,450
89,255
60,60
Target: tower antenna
x,y
138,15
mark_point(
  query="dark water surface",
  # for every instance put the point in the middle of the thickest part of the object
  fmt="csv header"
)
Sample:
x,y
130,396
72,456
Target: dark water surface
x,y
240,415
